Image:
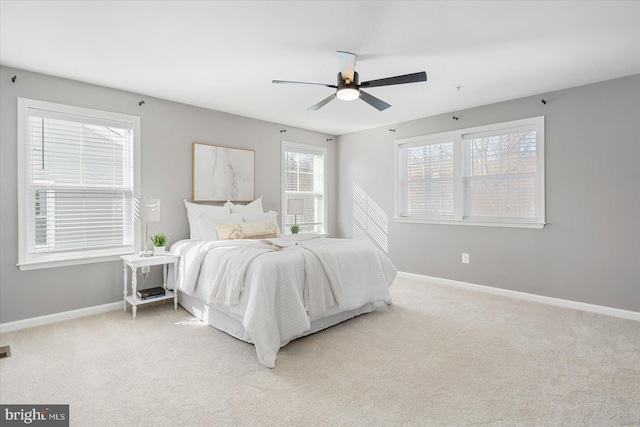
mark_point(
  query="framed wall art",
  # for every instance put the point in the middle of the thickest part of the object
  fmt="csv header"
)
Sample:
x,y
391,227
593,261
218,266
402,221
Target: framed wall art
x,y
222,173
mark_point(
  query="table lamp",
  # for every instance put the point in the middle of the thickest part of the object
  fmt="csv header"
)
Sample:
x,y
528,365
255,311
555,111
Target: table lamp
x,y
295,207
146,210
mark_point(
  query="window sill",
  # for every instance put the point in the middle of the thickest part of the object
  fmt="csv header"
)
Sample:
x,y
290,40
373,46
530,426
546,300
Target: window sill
x,y
535,225
65,262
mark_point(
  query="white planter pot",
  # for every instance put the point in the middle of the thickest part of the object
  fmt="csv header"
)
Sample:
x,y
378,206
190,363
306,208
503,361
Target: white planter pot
x,y
158,250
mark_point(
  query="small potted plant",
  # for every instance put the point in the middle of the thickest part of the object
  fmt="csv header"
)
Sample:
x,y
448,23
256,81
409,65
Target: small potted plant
x,y
159,242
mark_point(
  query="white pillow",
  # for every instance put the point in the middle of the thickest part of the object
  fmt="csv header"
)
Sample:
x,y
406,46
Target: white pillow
x,y
258,217
253,207
207,224
194,211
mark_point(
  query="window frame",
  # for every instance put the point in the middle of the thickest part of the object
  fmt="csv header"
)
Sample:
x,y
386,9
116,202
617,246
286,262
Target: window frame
x,y
457,136
294,146
28,261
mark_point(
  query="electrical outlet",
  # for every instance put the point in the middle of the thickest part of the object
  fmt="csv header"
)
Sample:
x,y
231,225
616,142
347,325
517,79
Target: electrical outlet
x,y
147,269
465,258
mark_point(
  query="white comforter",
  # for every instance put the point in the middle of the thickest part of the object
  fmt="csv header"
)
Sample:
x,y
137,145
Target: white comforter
x,y
271,304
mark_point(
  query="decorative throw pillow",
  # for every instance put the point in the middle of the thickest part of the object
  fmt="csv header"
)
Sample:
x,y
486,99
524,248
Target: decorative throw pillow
x,y
207,224
194,211
248,230
254,207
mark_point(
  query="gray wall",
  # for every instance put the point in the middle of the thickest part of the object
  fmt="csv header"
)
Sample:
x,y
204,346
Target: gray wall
x,y
167,131
590,249
588,252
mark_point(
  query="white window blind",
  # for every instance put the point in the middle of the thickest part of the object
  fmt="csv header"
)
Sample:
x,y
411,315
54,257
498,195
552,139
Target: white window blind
x,y
426,180
78,181
304,178
488,175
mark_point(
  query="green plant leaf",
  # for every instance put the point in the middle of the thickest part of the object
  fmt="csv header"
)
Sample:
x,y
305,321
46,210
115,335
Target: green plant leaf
x,y
159,240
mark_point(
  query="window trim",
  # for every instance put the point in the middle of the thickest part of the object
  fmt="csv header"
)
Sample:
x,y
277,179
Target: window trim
x,y
302,147
31,262
457,136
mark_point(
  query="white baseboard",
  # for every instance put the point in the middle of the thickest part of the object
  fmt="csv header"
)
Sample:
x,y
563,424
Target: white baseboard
x,y
608,311
58,317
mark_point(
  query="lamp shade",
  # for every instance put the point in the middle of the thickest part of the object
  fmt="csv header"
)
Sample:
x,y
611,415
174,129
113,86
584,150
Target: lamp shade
x,y
146,210
295,206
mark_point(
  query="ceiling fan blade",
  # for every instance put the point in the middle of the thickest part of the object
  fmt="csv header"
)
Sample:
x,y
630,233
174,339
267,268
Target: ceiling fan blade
x,y
347,62
302,83
397,80
322,103
376,103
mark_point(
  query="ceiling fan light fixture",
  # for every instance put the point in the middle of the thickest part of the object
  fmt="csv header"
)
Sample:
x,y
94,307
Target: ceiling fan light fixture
x,y
348,94
348,84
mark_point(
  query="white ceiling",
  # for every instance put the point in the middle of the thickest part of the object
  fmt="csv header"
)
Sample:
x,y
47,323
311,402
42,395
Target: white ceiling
x,y
223,55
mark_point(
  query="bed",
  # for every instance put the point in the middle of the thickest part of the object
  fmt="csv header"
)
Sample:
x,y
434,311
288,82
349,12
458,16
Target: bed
x,y
271,289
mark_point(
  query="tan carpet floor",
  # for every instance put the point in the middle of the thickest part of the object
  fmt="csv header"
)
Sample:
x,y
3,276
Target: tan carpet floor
x,y
438,356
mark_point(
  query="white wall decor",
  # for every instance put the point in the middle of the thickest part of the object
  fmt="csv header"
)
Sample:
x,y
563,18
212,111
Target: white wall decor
x,y
222,173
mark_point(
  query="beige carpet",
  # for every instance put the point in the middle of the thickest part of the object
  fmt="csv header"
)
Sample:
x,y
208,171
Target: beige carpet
x,y
437,357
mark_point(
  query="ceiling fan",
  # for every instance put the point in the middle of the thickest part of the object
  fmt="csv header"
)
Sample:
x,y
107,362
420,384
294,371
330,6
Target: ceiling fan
x,y
350,88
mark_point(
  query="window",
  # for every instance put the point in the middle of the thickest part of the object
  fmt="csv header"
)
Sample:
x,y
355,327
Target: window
x,y
303,177
427,179
489,175
76,179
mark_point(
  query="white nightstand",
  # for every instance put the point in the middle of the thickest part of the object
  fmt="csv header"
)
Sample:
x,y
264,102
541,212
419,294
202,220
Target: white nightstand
x,y
134,261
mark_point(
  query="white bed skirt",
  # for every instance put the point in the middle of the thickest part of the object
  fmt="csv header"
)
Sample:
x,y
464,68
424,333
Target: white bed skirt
x,y
222,321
